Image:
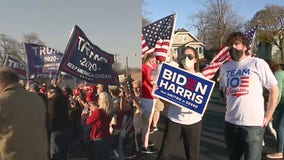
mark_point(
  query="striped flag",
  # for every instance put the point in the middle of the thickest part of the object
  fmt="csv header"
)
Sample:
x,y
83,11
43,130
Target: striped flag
x,y
156,37
223,55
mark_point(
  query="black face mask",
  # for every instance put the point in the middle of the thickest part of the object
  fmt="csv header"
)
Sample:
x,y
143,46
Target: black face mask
x,y
235,54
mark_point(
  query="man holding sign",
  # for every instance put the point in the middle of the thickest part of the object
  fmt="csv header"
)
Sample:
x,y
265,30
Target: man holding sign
x,y
188,96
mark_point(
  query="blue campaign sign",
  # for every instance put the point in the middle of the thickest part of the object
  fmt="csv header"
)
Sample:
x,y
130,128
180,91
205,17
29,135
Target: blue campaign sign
x,y
183,89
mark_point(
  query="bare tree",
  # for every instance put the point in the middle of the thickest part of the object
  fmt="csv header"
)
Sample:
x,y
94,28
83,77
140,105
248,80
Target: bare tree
x,y
32,38
215,23
270,21
9,46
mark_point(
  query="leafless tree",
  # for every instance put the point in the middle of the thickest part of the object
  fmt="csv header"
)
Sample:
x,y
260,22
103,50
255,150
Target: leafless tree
x,y
270,21
215,23
9,46
32,38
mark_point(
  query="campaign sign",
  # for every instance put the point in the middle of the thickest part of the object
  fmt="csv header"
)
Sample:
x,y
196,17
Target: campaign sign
x,y
183,89
86,61
43,61
18,66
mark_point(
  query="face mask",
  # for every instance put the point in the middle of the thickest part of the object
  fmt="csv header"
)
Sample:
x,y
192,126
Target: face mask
x,y
235,54
187,63
168,59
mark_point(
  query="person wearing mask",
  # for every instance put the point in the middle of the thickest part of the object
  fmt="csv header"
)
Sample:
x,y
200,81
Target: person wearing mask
x,y
243,80
182,122
278,119
23,127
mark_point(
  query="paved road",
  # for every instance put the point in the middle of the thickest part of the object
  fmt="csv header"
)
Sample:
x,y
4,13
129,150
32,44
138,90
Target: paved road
x,y
212,140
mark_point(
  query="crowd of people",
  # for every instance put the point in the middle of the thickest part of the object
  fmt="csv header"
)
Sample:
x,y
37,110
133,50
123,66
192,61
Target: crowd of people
x,y
43,121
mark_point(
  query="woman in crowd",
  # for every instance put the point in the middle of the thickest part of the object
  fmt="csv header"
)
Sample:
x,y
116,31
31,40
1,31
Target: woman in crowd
x,y
99,119
182,122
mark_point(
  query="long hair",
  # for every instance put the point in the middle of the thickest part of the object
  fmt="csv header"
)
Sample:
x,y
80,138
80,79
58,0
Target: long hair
x,y
106,103
238,36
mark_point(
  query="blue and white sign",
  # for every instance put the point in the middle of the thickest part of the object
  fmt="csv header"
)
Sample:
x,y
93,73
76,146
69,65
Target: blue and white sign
x,y
183,89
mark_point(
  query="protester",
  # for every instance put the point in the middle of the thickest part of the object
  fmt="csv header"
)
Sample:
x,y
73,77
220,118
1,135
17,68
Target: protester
x,y
148,100
99,119
278,119
102,88
22,121
159,106
137,117
59,124
243,80
182,122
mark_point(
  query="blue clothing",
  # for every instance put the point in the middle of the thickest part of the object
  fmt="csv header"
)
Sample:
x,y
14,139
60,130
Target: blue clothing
x,y
245,140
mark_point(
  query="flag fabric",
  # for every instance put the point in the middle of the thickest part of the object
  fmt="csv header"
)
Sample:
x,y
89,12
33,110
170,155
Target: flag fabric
x,y
223,55
84,60
17,65
156,37
250,34
43,61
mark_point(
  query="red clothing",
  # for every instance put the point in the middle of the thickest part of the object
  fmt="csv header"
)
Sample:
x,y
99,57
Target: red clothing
x,y
146,82
99,121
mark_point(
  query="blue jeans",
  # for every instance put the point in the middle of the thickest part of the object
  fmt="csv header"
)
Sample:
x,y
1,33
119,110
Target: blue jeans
x,y
59,144
279,126
245,140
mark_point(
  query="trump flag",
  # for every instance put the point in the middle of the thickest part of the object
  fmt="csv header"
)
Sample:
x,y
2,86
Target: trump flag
x,y
43,61
18,66
84,60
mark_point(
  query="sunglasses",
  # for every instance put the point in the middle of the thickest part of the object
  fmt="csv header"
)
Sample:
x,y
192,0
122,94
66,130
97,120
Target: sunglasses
x,y
189,56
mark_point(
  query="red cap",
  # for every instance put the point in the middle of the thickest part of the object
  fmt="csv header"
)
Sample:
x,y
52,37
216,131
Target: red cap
x,y
92,88
91,96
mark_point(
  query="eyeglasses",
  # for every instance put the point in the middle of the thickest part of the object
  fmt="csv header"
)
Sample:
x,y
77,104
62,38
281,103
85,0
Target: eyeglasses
x,y
189,56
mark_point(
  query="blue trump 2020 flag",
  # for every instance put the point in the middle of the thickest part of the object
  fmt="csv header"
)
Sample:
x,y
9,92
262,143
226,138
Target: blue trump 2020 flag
x,y
42,61
183,89
17,65
86,61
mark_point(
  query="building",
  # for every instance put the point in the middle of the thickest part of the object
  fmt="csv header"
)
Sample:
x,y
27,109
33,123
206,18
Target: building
x,y
183,38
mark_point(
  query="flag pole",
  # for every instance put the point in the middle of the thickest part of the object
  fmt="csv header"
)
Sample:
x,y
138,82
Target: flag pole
x,y
172,34
26,59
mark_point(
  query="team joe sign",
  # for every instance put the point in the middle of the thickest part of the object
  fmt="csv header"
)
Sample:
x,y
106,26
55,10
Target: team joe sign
x,y
183,89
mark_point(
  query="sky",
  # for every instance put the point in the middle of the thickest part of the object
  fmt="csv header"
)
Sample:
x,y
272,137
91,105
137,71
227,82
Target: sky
x,y
112,25
156,9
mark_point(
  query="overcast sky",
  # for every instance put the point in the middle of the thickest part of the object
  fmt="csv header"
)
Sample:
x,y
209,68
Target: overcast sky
x,y
112,25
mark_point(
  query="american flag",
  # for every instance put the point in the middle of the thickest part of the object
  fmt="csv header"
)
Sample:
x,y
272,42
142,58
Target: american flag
x,y
223,55
156,37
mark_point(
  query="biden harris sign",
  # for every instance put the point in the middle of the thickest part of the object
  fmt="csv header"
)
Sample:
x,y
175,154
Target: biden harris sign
x,y
183,89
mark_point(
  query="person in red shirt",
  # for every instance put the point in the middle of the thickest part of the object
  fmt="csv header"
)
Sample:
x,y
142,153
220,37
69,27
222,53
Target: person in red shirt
x,y
99,119
148,100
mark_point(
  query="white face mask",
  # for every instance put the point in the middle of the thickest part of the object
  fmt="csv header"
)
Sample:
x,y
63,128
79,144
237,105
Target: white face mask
x,y
187,63
168,59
